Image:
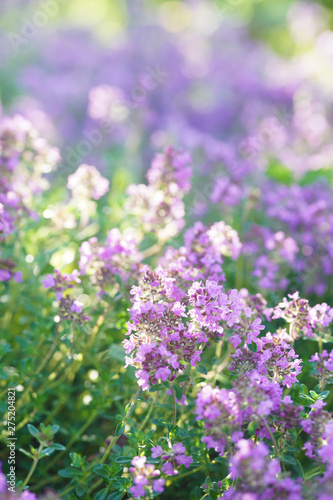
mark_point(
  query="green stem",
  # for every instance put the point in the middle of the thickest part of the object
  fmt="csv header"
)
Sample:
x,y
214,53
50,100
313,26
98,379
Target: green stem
x,y
152,406
115,439
320,345
219,348
73,440
176,478
174,406
151,251
40,368
272,437
51,351
33,466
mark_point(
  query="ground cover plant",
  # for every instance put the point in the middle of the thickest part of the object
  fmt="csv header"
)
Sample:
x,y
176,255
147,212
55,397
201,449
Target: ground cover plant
x,y
166,262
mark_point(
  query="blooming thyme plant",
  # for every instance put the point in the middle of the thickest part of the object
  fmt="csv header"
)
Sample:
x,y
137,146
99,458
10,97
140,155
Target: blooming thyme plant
x,y
166,273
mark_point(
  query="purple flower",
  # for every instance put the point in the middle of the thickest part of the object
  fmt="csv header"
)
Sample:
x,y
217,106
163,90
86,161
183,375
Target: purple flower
x,y
144,477
172,458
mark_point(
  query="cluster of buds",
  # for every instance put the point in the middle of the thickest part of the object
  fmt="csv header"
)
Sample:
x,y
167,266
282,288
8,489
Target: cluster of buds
x,y
159,205
69,307
296,312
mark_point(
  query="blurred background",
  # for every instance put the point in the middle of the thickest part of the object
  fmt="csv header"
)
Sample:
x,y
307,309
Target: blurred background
x,y
245,86
107,79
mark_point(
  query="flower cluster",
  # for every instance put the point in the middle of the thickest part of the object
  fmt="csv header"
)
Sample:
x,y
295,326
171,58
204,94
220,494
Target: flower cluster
x,y
87,183
274,358
212,306
118,256
145,480
159,204
160,339
221,412
256,393
311,321
201,256
24,158
323,367
296,312
275,254
258,476
226,412
69,307
315,425
172,458
305,211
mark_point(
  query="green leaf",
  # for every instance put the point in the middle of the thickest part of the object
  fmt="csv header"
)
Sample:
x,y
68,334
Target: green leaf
x,y
115,496
101,494
202,369
26,453
102,470
181,378
119,430
323,395
156,387
116,351
158,421
306,398
288,459
208,481
57,446
69,472
181,432
314,395
47,452
77,459
253,347
304,389
316,175
178,391
280,173
33,431
80,490
123,460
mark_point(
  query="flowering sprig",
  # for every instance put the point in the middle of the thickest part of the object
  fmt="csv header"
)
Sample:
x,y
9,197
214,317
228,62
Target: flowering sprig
x,y
172,458
104,263
146,479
